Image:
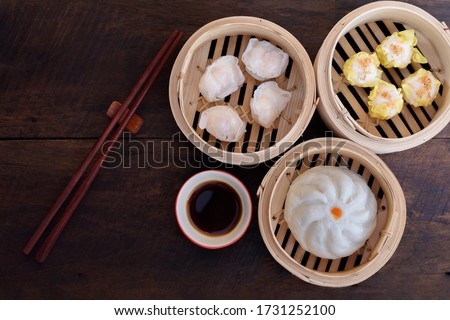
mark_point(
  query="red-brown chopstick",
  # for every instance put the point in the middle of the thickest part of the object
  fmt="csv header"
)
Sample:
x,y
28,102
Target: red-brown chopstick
x,y
80,193
143,86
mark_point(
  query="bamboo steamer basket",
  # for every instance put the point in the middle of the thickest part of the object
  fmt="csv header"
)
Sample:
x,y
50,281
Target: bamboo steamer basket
x,y
230,36
377,250
344,107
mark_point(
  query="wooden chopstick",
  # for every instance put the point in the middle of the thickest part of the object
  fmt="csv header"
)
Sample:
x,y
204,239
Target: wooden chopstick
x,y
80,193
141,87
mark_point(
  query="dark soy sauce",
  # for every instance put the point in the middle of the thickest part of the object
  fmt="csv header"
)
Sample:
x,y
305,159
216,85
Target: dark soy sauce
x,y
214,208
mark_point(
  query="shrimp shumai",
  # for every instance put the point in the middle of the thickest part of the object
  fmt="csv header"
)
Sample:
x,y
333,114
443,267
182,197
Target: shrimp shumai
x,y
399,49
420,88
221,78
385,101
361,69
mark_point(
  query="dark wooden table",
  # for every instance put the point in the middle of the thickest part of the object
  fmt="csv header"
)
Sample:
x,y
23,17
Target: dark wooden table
x,y
63,62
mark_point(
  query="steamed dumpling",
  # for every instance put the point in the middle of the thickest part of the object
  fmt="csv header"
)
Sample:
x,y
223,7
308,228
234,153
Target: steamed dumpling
x,y
263,60
398,50
420,88
268,102
221,78
330,211
385,101
361,69
223,122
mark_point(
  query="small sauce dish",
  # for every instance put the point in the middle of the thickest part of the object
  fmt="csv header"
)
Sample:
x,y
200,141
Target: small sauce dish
x,y
213,209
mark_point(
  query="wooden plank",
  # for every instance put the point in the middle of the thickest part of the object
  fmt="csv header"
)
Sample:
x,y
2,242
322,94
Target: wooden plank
x,y
63,62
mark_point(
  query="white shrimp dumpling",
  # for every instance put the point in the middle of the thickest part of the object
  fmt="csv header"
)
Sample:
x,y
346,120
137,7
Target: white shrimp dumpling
x,y
221,78
263,60
268,102
223,122
331,211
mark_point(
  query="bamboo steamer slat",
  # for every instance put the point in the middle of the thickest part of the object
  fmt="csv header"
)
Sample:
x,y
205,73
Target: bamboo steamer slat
x,y
378,249
231,36
344,107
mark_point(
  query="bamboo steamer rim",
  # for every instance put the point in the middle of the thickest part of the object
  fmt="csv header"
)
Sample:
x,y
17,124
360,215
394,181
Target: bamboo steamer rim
x,y
334,113
242,25
390,235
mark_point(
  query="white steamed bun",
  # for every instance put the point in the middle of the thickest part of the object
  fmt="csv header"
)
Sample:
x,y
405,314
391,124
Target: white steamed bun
x,y
330,211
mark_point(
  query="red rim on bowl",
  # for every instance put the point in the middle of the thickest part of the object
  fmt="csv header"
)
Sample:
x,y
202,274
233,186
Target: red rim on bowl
x,y
203,239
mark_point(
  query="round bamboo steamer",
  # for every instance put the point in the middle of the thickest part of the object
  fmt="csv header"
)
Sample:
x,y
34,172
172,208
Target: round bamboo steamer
x,y
377,250
230,36
344,107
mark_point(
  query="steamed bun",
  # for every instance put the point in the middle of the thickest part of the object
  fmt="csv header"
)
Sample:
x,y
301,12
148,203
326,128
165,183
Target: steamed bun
x,y
330,211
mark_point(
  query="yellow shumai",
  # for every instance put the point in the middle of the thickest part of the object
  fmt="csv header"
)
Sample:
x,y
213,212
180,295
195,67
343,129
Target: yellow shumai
x,y
385,101
361,69
420,88
398,50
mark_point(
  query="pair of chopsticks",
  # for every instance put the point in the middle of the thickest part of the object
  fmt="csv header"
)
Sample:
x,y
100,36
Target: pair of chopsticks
x,y
131,103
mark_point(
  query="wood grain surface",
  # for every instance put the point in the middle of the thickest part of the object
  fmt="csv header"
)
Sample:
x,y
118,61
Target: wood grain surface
x,y
61,65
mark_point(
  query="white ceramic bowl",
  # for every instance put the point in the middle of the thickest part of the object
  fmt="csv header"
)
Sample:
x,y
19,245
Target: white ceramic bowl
x,y
203,239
